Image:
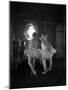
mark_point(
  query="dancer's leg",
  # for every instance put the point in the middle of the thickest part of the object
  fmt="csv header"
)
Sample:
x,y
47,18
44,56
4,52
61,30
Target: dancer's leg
x,y
50,67
31,66
44,66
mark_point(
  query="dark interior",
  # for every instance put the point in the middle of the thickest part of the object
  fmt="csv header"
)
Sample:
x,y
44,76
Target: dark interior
x,y
51,20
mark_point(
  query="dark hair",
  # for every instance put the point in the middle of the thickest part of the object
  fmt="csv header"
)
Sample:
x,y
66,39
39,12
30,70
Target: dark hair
x,y
34,34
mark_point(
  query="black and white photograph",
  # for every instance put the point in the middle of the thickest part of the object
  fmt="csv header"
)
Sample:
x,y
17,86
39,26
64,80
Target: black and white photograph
x,y
37,45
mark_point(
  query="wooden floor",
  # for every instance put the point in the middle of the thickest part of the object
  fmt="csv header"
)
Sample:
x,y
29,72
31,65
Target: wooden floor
x,y
22,78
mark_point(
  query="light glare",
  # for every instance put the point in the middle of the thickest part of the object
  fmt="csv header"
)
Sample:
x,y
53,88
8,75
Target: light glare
x,y
30,32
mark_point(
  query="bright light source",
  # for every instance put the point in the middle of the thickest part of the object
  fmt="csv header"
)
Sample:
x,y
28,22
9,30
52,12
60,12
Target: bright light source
x,y
30,32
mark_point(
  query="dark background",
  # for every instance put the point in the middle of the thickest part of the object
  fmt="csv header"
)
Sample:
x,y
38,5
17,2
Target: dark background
x,y
51,20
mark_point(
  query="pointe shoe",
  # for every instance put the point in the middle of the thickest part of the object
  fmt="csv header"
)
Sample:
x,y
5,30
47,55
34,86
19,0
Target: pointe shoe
x,y
49,69
33,72
44,72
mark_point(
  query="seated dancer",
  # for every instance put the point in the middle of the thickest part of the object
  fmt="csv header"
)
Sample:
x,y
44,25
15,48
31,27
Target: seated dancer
x,y
31,50
47,53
